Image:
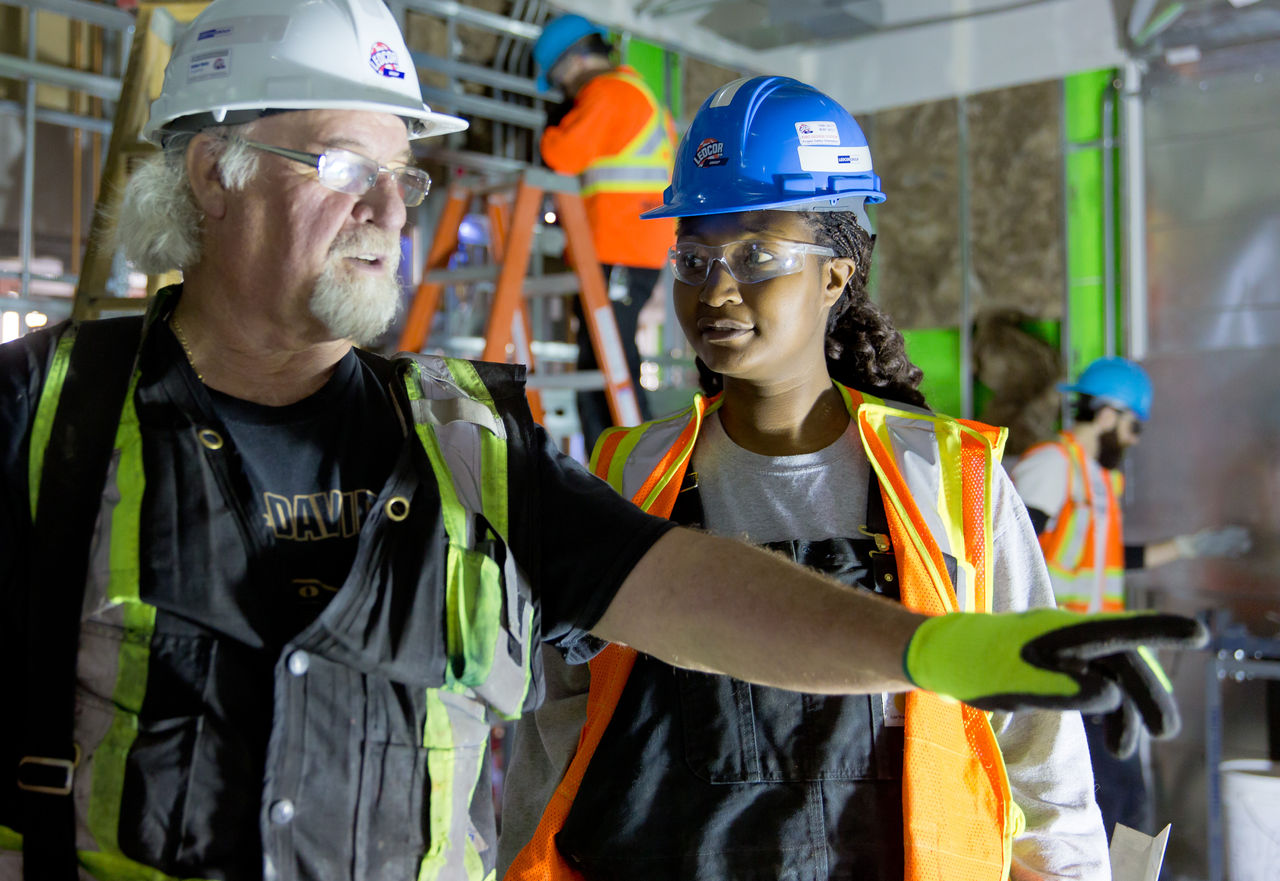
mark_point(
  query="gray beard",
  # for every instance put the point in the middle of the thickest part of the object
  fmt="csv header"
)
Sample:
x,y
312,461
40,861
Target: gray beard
x,y
359,309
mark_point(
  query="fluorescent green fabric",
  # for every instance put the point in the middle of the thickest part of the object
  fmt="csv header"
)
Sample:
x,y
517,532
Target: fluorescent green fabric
x,y
42,426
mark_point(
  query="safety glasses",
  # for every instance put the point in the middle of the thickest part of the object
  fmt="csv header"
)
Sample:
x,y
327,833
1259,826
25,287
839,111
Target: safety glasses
x,y
354,174
749,261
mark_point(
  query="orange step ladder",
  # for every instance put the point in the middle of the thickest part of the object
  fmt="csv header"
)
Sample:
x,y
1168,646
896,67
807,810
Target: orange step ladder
x,y
513,210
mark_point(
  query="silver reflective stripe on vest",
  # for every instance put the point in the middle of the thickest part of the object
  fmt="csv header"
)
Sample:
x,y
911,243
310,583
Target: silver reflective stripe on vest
x,y
655,439
915,449
625,174
462,428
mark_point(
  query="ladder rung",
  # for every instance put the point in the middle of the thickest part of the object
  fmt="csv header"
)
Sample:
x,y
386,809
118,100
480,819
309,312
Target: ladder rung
x,y
554,285
578,380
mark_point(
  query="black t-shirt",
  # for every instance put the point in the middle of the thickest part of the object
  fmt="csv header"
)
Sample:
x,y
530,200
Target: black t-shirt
x,y
309,500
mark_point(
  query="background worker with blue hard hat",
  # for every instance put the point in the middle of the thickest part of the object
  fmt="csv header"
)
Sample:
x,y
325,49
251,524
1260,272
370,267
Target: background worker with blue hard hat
x,y
811,438
1072,487
613,133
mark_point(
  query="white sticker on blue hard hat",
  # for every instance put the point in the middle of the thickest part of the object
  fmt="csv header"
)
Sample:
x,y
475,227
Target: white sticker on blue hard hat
x,y
385,62
209,65
823,131
847,160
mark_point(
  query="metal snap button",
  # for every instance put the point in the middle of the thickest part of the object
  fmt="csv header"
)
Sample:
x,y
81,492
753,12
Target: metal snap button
x,y
299,662
282,812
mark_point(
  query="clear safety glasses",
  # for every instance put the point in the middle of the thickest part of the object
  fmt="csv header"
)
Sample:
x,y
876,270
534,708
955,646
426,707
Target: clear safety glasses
x,y
748,261
354,174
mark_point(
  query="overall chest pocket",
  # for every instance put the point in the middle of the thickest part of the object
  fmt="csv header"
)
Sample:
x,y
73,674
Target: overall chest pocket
x,y
736,732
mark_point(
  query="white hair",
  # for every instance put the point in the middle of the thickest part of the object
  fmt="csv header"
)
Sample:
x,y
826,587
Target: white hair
x,y
158,223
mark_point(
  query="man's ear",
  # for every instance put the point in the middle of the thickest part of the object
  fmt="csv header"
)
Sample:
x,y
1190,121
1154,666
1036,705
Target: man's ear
x,y
206,180
836,272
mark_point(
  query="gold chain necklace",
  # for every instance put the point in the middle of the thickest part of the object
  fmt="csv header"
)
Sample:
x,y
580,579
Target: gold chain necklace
x,y
182,340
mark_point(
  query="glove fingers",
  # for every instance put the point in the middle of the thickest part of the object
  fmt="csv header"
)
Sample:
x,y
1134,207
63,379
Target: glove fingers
x,y
1120,730
1145,688
1097,694
1097,637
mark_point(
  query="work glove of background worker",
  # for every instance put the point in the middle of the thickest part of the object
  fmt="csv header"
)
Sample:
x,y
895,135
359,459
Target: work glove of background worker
x,y
1226,541
1057,660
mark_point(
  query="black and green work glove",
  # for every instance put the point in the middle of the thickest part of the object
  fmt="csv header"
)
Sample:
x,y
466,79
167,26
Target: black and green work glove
x,y
1057,660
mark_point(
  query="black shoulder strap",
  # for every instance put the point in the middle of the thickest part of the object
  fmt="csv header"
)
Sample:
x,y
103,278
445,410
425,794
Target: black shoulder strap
x,y
75,465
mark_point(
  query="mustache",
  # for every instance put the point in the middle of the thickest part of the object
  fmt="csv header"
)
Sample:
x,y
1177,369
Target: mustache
x,y
367,241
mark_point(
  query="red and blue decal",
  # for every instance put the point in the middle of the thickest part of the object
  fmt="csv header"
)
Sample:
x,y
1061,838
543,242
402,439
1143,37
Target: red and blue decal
x,y
385,62
709,153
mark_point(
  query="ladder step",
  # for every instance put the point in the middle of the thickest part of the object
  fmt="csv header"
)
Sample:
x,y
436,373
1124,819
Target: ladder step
x,y
558,284
578,380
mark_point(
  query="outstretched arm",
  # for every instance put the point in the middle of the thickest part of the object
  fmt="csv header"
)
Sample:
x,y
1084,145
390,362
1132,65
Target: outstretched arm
x,y
714,604
708,603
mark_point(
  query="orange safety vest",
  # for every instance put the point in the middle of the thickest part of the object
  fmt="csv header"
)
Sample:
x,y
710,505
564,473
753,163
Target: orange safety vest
x,y
621,141
959,816
1081,581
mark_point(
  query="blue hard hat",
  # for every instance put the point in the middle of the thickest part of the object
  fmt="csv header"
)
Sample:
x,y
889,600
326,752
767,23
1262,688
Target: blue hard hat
x,y
770,142
1117,382
558,35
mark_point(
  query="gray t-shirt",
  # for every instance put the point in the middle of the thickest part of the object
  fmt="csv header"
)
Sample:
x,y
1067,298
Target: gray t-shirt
x,y
811,496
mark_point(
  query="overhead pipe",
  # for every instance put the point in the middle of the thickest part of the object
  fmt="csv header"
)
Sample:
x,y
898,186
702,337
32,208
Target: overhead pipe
x,y
1134,211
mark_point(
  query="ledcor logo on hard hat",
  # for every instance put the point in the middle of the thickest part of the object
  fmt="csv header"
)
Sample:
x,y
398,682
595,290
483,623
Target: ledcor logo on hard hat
x,y
383,59
710,152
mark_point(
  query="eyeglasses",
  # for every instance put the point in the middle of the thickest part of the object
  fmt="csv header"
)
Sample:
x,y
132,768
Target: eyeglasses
x,y
354,174
748,261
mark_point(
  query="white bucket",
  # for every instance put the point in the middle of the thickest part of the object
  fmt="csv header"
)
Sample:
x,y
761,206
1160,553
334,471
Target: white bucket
x,y
1251,819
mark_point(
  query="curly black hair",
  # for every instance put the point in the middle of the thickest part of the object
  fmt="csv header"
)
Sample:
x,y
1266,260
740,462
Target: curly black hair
x,y
864,350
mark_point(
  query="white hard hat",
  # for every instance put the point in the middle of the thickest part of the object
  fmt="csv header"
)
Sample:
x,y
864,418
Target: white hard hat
x,y
239,58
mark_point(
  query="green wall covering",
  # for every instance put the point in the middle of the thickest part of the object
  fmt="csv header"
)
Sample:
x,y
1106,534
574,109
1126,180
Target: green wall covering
x,y
936,351
1086,264
650,62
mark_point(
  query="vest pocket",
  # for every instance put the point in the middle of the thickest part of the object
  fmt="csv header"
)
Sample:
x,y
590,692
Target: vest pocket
x,y
736,732
473,598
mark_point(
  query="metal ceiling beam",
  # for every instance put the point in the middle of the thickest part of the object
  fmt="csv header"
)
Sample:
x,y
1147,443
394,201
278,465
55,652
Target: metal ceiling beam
x,y
20,68
491,21
83,10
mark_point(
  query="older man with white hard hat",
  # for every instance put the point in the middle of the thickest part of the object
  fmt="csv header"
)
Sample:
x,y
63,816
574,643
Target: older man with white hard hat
x,y
265,591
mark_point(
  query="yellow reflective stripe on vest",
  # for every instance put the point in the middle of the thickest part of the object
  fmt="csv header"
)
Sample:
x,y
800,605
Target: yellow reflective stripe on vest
x,y
473,596
454,736
110,757
42,425
644,164
874,417
126,483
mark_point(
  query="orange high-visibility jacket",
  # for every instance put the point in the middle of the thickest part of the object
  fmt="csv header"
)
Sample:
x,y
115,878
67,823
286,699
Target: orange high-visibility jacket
x,y
622,143
1083,580
935,474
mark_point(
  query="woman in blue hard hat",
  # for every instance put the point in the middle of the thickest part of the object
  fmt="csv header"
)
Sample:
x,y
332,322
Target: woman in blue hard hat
x,y
812,439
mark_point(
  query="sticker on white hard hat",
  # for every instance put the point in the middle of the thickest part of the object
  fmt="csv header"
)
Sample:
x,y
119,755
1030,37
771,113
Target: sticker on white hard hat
x,y
209,65
210,33
384,61
822,131
849,160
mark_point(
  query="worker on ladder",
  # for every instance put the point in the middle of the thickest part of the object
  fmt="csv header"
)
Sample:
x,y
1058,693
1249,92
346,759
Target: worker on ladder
x,y
617,136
